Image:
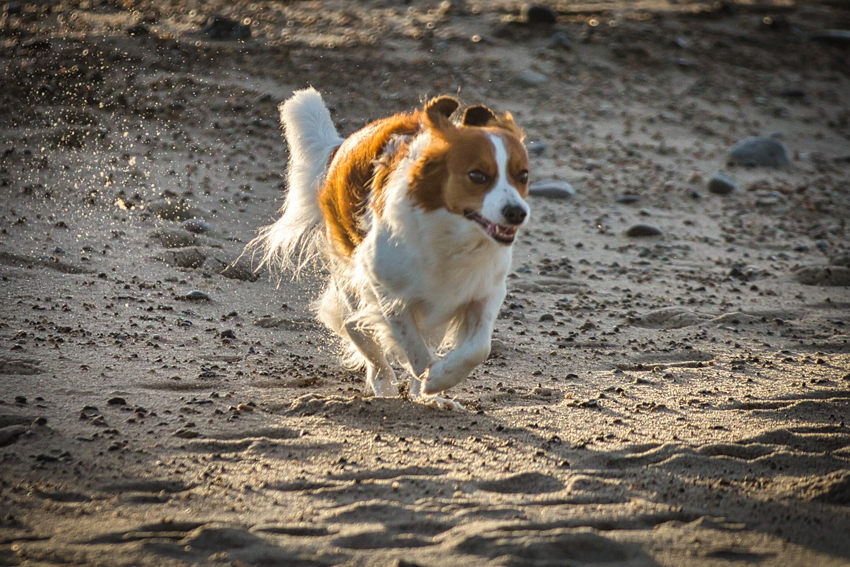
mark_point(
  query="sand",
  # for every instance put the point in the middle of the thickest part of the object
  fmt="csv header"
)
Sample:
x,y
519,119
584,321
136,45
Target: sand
x,y
671,394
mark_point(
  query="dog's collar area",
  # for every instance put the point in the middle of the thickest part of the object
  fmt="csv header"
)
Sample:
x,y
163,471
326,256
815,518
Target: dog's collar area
x,y
501,233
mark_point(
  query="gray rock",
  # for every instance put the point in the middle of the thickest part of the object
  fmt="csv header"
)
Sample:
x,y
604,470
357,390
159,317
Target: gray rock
x,y
529,78
842,259
823,275
551,189
190,257
196,295
171,238
538,14
559,40
536,148
721,184
759,151
10,434
196,226
642,230
172,210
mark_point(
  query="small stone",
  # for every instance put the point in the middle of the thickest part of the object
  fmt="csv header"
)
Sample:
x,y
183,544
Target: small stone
x,y
196,295
793,92
628,199
171,238
172,210
10,434
642,230
220,27
551,189
536,149
559,40
138,29
228,334
20,399
59,250
538,14
116,401
245,407
39,421
185,433
759,151
721,184
768,198
823,275
529,78
196,226
842,259
547,317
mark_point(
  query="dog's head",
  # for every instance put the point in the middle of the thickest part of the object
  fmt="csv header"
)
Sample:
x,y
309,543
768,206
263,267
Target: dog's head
x,y
477,168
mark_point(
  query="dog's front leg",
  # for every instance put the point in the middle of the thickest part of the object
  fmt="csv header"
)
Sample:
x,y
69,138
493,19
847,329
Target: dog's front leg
x,y
472,349
409,338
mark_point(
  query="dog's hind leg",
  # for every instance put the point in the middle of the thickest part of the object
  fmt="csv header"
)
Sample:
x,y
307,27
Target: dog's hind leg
x,y
380,378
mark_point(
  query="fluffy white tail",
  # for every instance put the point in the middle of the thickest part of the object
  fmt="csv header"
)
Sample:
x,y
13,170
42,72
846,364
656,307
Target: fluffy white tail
x,y
293,241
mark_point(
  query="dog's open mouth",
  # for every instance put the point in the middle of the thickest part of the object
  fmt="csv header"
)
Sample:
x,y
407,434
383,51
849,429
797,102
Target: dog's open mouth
x,y
501,233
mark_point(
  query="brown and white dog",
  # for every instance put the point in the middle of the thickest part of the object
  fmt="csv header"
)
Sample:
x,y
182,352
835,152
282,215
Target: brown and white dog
x,y
414,217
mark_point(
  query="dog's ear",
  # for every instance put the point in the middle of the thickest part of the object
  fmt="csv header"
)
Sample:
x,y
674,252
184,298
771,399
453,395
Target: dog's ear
x,y
478,116
439,109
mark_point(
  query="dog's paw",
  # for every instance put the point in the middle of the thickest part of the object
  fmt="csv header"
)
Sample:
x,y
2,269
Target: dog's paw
x,y
441,403
383,389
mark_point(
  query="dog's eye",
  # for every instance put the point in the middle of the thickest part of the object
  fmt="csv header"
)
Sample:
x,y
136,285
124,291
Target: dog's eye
x,y
478,177
522,176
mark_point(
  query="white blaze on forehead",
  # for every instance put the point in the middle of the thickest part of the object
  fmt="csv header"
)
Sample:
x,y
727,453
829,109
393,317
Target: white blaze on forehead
x,y
502,193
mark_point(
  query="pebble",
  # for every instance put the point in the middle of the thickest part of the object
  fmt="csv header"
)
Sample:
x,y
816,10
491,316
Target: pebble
x,y
228,334
138,29
221,27
538,14
172,238
547,317
768,198
116,401
641,230
196,295
628,199
721,184
842,259
529,78
20,399
551,189
196,226
185,433
10,434
536,148
189,257
172,210
823,275
559,40
759,151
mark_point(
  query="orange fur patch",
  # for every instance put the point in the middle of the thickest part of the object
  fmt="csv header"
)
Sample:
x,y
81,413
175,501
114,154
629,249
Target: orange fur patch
x,y
354,174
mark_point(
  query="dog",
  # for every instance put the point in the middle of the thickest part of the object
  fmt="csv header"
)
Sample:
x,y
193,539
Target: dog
x,y
412,219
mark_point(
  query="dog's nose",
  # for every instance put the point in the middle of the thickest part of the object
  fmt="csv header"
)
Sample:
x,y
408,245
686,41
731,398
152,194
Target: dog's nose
x,y
514,214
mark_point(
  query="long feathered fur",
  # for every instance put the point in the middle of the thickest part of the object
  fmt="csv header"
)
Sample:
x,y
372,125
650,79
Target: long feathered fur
x,y
294,241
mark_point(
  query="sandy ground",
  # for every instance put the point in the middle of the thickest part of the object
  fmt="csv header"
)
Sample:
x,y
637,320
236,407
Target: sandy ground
x,y
678,399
